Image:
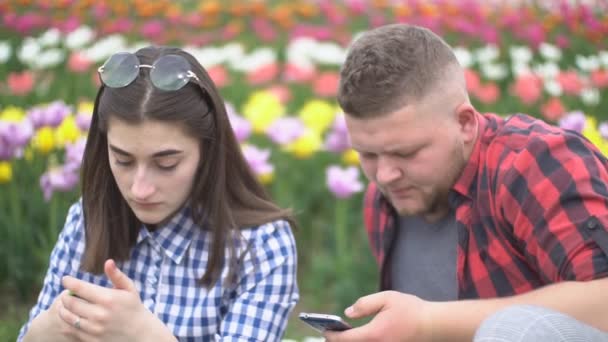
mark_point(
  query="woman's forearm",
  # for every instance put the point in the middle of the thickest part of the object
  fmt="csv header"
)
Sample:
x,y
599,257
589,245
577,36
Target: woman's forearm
x,y
585,301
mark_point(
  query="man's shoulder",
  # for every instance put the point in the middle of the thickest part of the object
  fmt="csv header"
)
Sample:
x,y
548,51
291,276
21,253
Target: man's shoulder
x,y
519,132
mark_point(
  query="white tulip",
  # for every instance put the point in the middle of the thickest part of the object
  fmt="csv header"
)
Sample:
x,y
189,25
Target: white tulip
x,y
105,47
29,51
464,56
518,69
520,54
603,57
493,71
256,59
550,52
49,38
80,37
329,54
49,59
590,96
548,70
553,88
5,51
487,53
587,64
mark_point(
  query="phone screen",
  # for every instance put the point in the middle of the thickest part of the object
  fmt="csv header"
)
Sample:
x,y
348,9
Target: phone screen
x,y
323,322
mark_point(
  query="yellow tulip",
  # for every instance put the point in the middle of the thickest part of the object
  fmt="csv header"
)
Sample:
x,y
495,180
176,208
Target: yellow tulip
x,y
306,145
12,114
350,157
6,172
44,140
85,107
266,178
318,115
593,134
262,109
67,132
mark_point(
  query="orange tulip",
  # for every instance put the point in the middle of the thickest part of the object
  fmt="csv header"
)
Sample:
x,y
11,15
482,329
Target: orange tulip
x,y
306,10
210,9
402,10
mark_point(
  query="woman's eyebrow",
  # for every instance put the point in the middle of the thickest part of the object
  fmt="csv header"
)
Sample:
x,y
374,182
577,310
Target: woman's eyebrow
x,y
164,153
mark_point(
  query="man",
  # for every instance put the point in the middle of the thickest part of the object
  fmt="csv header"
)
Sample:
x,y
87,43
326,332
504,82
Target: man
x,y
469,214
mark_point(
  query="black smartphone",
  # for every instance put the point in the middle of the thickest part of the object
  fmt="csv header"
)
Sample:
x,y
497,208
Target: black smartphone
x,y
323,322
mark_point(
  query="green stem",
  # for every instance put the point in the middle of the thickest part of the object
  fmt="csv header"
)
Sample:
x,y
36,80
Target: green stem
x,y
340,235
15,204
50,236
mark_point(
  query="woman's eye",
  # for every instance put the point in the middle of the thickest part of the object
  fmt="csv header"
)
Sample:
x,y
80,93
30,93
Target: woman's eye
x,y
167,167
123,162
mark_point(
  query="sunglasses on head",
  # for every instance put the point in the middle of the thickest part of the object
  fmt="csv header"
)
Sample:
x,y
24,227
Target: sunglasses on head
x,y
169,72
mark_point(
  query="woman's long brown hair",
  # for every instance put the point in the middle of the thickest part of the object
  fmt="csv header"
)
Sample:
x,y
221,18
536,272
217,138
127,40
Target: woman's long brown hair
x,y
225,197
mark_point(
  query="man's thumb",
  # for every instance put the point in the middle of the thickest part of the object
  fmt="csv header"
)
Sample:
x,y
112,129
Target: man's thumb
x,y
118,279
367,306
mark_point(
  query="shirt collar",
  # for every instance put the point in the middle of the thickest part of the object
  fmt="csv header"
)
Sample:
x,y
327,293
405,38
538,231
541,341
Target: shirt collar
x,y
174,237
465,185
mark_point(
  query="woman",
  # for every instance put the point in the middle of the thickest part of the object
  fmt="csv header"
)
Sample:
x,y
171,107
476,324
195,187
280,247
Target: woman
x,y
173,237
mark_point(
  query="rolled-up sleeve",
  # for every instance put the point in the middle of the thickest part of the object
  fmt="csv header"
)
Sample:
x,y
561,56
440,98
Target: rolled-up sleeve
x,y
60,263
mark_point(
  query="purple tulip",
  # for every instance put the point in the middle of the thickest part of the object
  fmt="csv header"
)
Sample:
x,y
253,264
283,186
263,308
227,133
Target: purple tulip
x,y
74,153
83,121
258,159
17,134
240,126
51,115
343,182
63,178
337,140
603,128
573,121
285,130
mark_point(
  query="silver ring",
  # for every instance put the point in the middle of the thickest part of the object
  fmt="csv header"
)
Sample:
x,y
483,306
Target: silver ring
x,y
77,323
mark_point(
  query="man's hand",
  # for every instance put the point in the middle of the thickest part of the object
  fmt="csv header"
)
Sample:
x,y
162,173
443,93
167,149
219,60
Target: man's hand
x,y
106,314
399,317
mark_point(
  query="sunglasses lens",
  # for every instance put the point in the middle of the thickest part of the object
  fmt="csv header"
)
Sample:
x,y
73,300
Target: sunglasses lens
x,y
170,72
120,70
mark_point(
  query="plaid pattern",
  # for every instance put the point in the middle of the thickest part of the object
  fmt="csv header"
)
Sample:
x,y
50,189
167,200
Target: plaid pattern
x,y
531,209
166,265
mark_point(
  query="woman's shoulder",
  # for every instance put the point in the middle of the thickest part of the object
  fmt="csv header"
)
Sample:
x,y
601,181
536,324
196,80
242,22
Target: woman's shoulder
x,y
278,230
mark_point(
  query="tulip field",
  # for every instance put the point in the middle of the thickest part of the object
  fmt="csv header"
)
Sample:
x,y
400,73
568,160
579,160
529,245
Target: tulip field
x,y
276,63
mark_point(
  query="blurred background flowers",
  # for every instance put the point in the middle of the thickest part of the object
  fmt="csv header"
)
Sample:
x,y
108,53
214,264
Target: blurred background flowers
x,y
276,63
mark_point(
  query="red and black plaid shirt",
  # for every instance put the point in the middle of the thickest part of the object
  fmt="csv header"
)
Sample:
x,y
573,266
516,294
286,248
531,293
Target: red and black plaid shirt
x,y
531,209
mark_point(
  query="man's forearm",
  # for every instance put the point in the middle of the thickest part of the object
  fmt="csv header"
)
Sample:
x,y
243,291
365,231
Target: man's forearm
x,y
585,301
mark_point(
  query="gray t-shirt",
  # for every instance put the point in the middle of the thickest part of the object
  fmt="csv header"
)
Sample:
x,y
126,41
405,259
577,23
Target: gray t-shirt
x,y
423,261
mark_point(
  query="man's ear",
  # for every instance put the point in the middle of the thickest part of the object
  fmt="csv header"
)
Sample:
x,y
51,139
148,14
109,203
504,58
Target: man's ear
x,y
466,116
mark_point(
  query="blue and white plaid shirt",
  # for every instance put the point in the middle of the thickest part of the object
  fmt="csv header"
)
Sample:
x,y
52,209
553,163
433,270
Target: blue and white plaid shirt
x,y
165,266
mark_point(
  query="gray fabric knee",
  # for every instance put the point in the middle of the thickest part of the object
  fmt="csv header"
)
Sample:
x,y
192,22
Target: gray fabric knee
x,y
528,323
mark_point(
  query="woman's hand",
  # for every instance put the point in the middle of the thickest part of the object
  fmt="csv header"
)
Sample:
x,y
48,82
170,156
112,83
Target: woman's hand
x,y
97,313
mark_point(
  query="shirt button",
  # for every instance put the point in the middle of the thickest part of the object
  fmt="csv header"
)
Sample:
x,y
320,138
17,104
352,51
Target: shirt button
x,y
592,224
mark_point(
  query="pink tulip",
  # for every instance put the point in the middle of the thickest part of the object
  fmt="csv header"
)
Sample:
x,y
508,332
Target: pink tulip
x,y
263,74
240,126
472,80
258,159
337,140
218,75
63,178
487,93
570,82
599,78
264,29
78,62
153,29
326,84
281,92
528,88
553,109
20,83
298,74
285,130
